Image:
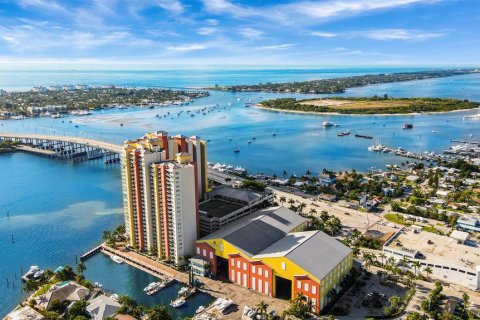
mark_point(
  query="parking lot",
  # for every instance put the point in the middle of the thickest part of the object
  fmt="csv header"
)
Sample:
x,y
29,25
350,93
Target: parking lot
x,y
367,297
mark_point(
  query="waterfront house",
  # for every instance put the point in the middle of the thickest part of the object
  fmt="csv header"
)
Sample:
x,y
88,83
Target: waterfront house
x,y
25,313
65,291
327,179
102,307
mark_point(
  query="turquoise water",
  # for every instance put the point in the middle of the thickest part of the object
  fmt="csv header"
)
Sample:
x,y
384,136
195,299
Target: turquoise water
x,y
59,209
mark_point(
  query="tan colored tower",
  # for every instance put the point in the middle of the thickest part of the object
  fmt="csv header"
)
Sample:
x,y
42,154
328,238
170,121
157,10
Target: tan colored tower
x,y
163,180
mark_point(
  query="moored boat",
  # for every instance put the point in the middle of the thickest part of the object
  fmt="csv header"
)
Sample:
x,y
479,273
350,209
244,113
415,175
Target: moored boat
x,y
116,259
177,303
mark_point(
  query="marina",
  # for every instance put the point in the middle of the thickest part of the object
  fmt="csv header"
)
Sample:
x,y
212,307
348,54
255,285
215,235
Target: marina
x,y
69,221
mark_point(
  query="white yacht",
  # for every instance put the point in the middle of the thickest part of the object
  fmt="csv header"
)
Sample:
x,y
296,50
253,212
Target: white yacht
x,y
327,124
200,310
182,291
117,259
39,274
177,303
150,286
153,287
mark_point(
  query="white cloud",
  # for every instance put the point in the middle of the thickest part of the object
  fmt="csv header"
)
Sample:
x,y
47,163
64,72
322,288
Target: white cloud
x,y
323,10
212,22
384,34
49,5
187,47
398,34
276,46
225,6
324,34
251,33
173,6
206,31
28,38
309,11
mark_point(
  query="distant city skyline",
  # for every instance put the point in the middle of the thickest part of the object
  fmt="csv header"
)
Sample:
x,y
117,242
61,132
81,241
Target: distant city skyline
x,y
160,33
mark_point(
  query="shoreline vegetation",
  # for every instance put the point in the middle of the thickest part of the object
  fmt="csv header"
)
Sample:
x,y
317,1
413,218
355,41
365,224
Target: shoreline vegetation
x,y
21,102
340,85
368,106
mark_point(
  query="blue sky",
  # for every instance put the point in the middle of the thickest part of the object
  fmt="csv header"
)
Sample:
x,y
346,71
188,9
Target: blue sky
x,y
151,33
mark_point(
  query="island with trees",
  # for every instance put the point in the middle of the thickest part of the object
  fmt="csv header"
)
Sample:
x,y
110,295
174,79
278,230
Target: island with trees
x,y
373,105
35,101
339,85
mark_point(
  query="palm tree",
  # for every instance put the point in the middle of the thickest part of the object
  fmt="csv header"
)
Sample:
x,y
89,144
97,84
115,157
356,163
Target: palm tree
x,y
416,265
404,261
301,206
313,212
282,200
367,257
324,216
291,202
107,235
262,308
382,255
81,267
428,271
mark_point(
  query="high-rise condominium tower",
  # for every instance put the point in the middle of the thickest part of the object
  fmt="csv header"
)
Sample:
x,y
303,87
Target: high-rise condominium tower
x,y
163,180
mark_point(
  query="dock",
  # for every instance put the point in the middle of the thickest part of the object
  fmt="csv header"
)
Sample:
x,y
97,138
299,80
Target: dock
x,y
91,252
363,136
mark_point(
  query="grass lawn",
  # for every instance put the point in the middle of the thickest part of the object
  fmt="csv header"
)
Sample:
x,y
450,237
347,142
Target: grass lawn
x,y
432,229
397,218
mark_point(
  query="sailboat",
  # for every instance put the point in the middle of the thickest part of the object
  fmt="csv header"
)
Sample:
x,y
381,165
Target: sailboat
x,y
236,150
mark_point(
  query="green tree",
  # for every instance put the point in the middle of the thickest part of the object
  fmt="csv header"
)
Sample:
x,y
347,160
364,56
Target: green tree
x,y
414,316
159,313
395,304
262,308
466,303
428,271
81,267
416,266
78,309
106,235
382,255
301,206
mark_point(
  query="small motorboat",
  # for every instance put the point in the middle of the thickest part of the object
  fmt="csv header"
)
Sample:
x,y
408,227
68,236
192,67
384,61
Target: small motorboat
x,y
177,303
183,290
200,310
39,274
117,259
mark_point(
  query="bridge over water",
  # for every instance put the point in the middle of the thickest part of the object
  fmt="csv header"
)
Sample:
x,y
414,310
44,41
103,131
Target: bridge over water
x,y
64,147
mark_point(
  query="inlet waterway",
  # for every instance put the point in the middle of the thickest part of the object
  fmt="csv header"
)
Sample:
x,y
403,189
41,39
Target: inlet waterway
x,y
58,209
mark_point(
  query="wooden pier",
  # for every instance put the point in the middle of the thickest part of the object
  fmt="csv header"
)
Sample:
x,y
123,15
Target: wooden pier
x,y
91,252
